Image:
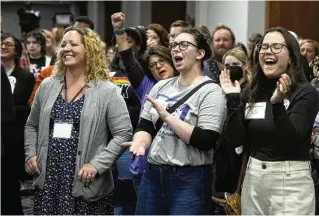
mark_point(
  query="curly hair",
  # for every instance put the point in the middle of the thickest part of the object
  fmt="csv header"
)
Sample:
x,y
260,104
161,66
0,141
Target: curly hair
x,y
161,32
96,68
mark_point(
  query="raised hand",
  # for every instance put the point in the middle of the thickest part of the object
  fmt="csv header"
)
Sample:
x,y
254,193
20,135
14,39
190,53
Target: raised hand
x,y
118,20
227,85
151,42
283,87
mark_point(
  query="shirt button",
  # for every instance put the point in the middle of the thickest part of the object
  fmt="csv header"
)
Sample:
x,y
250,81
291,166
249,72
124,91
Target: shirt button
x,y
264,166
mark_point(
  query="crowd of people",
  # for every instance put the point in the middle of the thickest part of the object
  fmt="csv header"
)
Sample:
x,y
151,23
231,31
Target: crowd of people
x,y
157,121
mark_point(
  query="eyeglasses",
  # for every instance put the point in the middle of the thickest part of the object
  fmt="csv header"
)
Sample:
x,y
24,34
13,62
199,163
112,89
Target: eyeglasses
x,y
153,65
183,45
275,48
7,44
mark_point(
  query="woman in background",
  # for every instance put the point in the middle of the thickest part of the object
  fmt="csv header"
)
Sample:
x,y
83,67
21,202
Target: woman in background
x,y
309,48
49,47
229,159
156,35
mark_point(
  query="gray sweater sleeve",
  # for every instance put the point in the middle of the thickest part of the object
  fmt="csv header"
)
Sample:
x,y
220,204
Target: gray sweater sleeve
x,y
32,124
119,123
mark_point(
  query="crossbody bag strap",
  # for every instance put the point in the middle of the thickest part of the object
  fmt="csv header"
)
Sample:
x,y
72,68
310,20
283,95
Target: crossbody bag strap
x,y
171,109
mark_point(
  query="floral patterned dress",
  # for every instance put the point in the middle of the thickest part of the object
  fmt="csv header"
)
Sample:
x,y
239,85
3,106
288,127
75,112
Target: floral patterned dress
x,y
56,197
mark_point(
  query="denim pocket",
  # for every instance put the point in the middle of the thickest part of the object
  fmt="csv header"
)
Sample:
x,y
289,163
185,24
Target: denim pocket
x,y
191,174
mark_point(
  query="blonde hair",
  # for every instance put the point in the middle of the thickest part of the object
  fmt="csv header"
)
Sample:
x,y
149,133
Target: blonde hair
x,y
104,46
239,54
96,68
315,44
50,35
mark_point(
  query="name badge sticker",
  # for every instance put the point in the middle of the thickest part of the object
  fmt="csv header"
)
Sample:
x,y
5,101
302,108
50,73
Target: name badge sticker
x,y
62,130
256,111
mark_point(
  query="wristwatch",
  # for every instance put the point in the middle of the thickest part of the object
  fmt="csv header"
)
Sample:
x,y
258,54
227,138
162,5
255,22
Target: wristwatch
x,y
119,31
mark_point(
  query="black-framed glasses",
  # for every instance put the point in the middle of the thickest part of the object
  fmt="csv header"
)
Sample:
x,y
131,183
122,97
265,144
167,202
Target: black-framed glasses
x,y
153,65
6,44
275,48
183,45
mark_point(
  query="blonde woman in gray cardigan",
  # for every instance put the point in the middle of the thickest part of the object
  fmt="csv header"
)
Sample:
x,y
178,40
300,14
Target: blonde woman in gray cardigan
x,y
67,143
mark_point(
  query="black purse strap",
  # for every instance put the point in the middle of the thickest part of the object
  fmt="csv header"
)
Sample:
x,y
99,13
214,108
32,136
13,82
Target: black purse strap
x,y
171,109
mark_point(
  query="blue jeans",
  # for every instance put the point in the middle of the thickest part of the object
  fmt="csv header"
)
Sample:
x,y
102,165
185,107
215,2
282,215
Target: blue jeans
x,y
137,181
123,164
167,190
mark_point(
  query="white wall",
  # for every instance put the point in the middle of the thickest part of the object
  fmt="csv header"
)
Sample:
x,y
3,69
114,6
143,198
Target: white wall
x,y
257,15
243,17
137,13
95,12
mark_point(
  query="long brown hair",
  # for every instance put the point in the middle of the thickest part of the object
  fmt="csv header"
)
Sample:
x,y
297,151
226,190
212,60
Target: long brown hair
x,y
294,70
160,31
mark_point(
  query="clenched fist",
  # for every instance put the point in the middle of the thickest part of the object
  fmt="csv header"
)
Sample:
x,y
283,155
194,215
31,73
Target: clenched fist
x,y
118,20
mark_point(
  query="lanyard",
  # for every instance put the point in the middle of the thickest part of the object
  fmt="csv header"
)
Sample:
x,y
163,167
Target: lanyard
x,y
66,95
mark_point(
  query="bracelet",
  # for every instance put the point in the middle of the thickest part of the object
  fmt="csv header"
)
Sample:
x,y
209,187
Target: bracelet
x,y
119,31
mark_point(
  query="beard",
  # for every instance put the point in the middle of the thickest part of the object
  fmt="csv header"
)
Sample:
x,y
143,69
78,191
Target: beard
x,y
220,51
218,54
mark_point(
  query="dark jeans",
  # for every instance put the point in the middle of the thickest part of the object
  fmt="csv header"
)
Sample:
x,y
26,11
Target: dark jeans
x,y
137,181
124,195
10,189
125,198
167,190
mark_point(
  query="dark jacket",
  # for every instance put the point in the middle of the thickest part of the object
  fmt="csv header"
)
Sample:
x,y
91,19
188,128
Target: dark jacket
x,y
22,91
10,187
7,114
131,99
